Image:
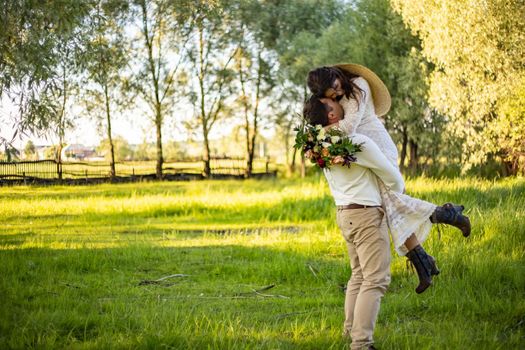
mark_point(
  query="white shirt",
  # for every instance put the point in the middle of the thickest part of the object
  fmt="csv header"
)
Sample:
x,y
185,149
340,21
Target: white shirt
x,y
358,184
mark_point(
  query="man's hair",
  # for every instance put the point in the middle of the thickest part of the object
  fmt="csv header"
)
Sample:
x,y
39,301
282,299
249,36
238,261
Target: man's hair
x,y
315,112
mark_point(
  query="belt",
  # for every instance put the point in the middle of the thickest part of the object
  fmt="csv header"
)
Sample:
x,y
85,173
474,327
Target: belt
x,y
356,206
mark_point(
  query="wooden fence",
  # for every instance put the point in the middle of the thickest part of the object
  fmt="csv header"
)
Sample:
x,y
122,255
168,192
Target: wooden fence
x,y
50,170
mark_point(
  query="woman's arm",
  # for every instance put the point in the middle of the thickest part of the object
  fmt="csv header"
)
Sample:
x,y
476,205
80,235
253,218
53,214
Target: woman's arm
x,y
354,110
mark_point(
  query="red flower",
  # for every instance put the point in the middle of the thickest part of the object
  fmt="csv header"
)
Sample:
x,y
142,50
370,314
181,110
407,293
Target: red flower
x,y
321,162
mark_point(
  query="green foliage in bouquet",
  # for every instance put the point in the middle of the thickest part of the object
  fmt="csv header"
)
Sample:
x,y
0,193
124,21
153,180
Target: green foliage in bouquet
x,y
326,147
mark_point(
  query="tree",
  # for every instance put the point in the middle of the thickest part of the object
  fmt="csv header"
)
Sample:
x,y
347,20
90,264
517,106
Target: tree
x,y
30,150
287,100
108,57
254,77
116,149
210,55
145,151
69,53
51,152
286,29
164,32
11,153
478,49
370,33
175,151
30,40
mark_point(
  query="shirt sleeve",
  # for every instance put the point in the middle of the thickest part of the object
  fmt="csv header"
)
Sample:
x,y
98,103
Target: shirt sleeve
x,y
354,110
372,158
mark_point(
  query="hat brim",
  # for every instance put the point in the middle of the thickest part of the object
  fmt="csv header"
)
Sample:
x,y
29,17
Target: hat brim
x,y
380,94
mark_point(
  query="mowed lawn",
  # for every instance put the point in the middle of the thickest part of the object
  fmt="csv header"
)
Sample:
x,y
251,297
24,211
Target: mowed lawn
x,y
244,265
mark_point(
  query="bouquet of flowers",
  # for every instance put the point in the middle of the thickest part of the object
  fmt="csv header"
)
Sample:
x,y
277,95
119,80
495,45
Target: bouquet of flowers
x,y
326,147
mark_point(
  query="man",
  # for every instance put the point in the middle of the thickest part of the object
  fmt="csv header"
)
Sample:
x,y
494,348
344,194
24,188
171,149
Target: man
x,y
362,223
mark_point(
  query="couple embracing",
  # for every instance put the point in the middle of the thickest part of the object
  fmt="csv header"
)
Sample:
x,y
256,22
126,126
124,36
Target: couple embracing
x,y
369,194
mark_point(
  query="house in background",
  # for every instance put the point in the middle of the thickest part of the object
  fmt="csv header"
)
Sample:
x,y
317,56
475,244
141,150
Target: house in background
x,y
78,151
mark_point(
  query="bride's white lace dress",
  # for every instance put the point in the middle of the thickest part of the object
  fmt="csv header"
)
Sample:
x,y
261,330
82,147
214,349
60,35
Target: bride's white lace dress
x,y
405,215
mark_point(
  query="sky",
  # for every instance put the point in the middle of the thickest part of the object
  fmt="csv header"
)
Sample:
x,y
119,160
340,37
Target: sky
x,y
134,129
84,132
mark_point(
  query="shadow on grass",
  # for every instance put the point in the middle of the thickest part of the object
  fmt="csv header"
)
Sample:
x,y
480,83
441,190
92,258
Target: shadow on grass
x,y
216,298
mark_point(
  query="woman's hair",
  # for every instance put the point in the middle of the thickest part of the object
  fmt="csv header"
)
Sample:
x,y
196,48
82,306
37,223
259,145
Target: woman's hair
x,y
322,78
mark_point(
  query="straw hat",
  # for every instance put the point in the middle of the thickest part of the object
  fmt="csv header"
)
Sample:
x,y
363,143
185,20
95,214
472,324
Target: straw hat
x,y
380,94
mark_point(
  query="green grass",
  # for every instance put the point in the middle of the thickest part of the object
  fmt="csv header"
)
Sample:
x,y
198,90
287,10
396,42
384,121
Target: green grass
x,y
76,265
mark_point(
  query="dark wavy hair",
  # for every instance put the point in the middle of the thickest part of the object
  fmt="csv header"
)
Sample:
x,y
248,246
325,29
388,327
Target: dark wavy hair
x,y
321,79
315,112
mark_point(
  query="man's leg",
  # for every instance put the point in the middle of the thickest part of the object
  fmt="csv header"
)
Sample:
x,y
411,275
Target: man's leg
x,y
352,289
373,251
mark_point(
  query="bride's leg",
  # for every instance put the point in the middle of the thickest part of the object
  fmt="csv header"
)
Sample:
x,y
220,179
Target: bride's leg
x,y
411,242
424,264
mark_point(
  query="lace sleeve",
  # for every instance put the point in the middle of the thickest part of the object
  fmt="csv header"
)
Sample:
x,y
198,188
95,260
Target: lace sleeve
x,y
354,111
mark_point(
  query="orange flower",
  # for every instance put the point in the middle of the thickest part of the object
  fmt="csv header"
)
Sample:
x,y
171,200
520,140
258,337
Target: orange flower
x,y
325,152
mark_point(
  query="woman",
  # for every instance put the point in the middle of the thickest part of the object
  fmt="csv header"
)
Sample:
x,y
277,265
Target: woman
x,y
364,97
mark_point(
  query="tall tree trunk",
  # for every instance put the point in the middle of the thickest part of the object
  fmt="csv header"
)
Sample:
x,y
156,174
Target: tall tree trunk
x,y
157,103
403,154
255,113
251,132
244,102
413,155
206,158
61,121
204,116
291,166
110,137
290,163
287,154
158,125
303,166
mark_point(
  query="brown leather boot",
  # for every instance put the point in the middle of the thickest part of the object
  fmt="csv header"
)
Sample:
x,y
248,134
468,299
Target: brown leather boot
x,y
452,214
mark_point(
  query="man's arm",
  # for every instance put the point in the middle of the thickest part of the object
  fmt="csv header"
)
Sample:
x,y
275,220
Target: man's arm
x,y
372,158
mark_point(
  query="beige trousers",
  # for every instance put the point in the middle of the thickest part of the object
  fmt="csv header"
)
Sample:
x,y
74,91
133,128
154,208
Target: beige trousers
x,y
366,234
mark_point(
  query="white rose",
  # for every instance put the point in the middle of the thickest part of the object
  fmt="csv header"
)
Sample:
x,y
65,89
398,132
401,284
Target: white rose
x,y
335,139
322,135
326,144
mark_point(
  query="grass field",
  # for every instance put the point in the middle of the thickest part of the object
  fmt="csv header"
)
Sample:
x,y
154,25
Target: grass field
x,y
191,265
